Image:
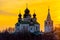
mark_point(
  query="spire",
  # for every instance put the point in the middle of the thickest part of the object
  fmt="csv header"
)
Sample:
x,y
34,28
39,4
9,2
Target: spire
x,y
34,15
20,18
19,14
26,5
27,10
48,17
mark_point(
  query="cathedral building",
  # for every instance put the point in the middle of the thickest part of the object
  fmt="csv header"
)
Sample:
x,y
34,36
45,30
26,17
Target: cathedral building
x,y
48,23
30,24
27,23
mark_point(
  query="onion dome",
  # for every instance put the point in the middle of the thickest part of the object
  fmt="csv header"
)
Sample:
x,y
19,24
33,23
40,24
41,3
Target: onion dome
x,y
27,10
34,15
20,15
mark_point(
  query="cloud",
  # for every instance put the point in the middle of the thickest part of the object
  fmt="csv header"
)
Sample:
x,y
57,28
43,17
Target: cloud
x,y
7,13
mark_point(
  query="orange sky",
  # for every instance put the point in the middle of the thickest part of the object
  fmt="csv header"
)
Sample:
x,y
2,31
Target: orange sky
x,y
9,10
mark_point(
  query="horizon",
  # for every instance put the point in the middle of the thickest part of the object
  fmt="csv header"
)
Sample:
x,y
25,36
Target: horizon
x,y
9,10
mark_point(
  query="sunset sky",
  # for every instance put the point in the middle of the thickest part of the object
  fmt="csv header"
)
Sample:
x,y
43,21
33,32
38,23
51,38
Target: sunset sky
x,y
9,10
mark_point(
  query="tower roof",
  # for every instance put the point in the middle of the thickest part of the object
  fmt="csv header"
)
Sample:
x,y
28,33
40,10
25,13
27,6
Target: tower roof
x,y
19,15
27,10
27,13
48,16
34,15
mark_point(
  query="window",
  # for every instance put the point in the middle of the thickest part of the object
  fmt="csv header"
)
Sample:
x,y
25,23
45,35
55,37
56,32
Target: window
x,y
36,27
45,22
49,22
31,28
23,27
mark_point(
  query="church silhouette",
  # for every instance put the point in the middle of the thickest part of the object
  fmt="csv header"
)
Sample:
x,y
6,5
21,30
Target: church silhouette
x,y
30,24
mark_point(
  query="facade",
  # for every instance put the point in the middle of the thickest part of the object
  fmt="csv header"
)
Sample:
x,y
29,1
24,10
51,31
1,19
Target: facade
x,y
27,23
48,23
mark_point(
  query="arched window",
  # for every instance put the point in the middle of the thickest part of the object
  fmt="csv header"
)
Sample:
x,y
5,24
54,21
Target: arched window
x,y
49,22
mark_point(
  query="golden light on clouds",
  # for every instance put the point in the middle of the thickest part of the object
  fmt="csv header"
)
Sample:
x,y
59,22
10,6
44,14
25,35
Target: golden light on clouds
x,y
9,10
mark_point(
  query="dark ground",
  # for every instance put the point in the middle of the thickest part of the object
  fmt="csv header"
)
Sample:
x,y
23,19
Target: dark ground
x,y
26,36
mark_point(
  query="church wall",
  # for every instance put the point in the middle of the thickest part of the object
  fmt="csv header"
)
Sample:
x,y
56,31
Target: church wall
x,y
27,19
37,27
24,26
17,28
31,29
48,29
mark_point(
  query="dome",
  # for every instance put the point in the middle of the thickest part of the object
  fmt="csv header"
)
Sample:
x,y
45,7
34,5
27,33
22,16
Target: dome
x,y
34,14
27,10
20,15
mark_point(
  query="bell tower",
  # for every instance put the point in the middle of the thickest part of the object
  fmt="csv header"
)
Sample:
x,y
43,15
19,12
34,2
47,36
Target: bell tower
x,y
48,23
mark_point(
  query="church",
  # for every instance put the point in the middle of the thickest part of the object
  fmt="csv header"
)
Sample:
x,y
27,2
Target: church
x,y
30,24
27,23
